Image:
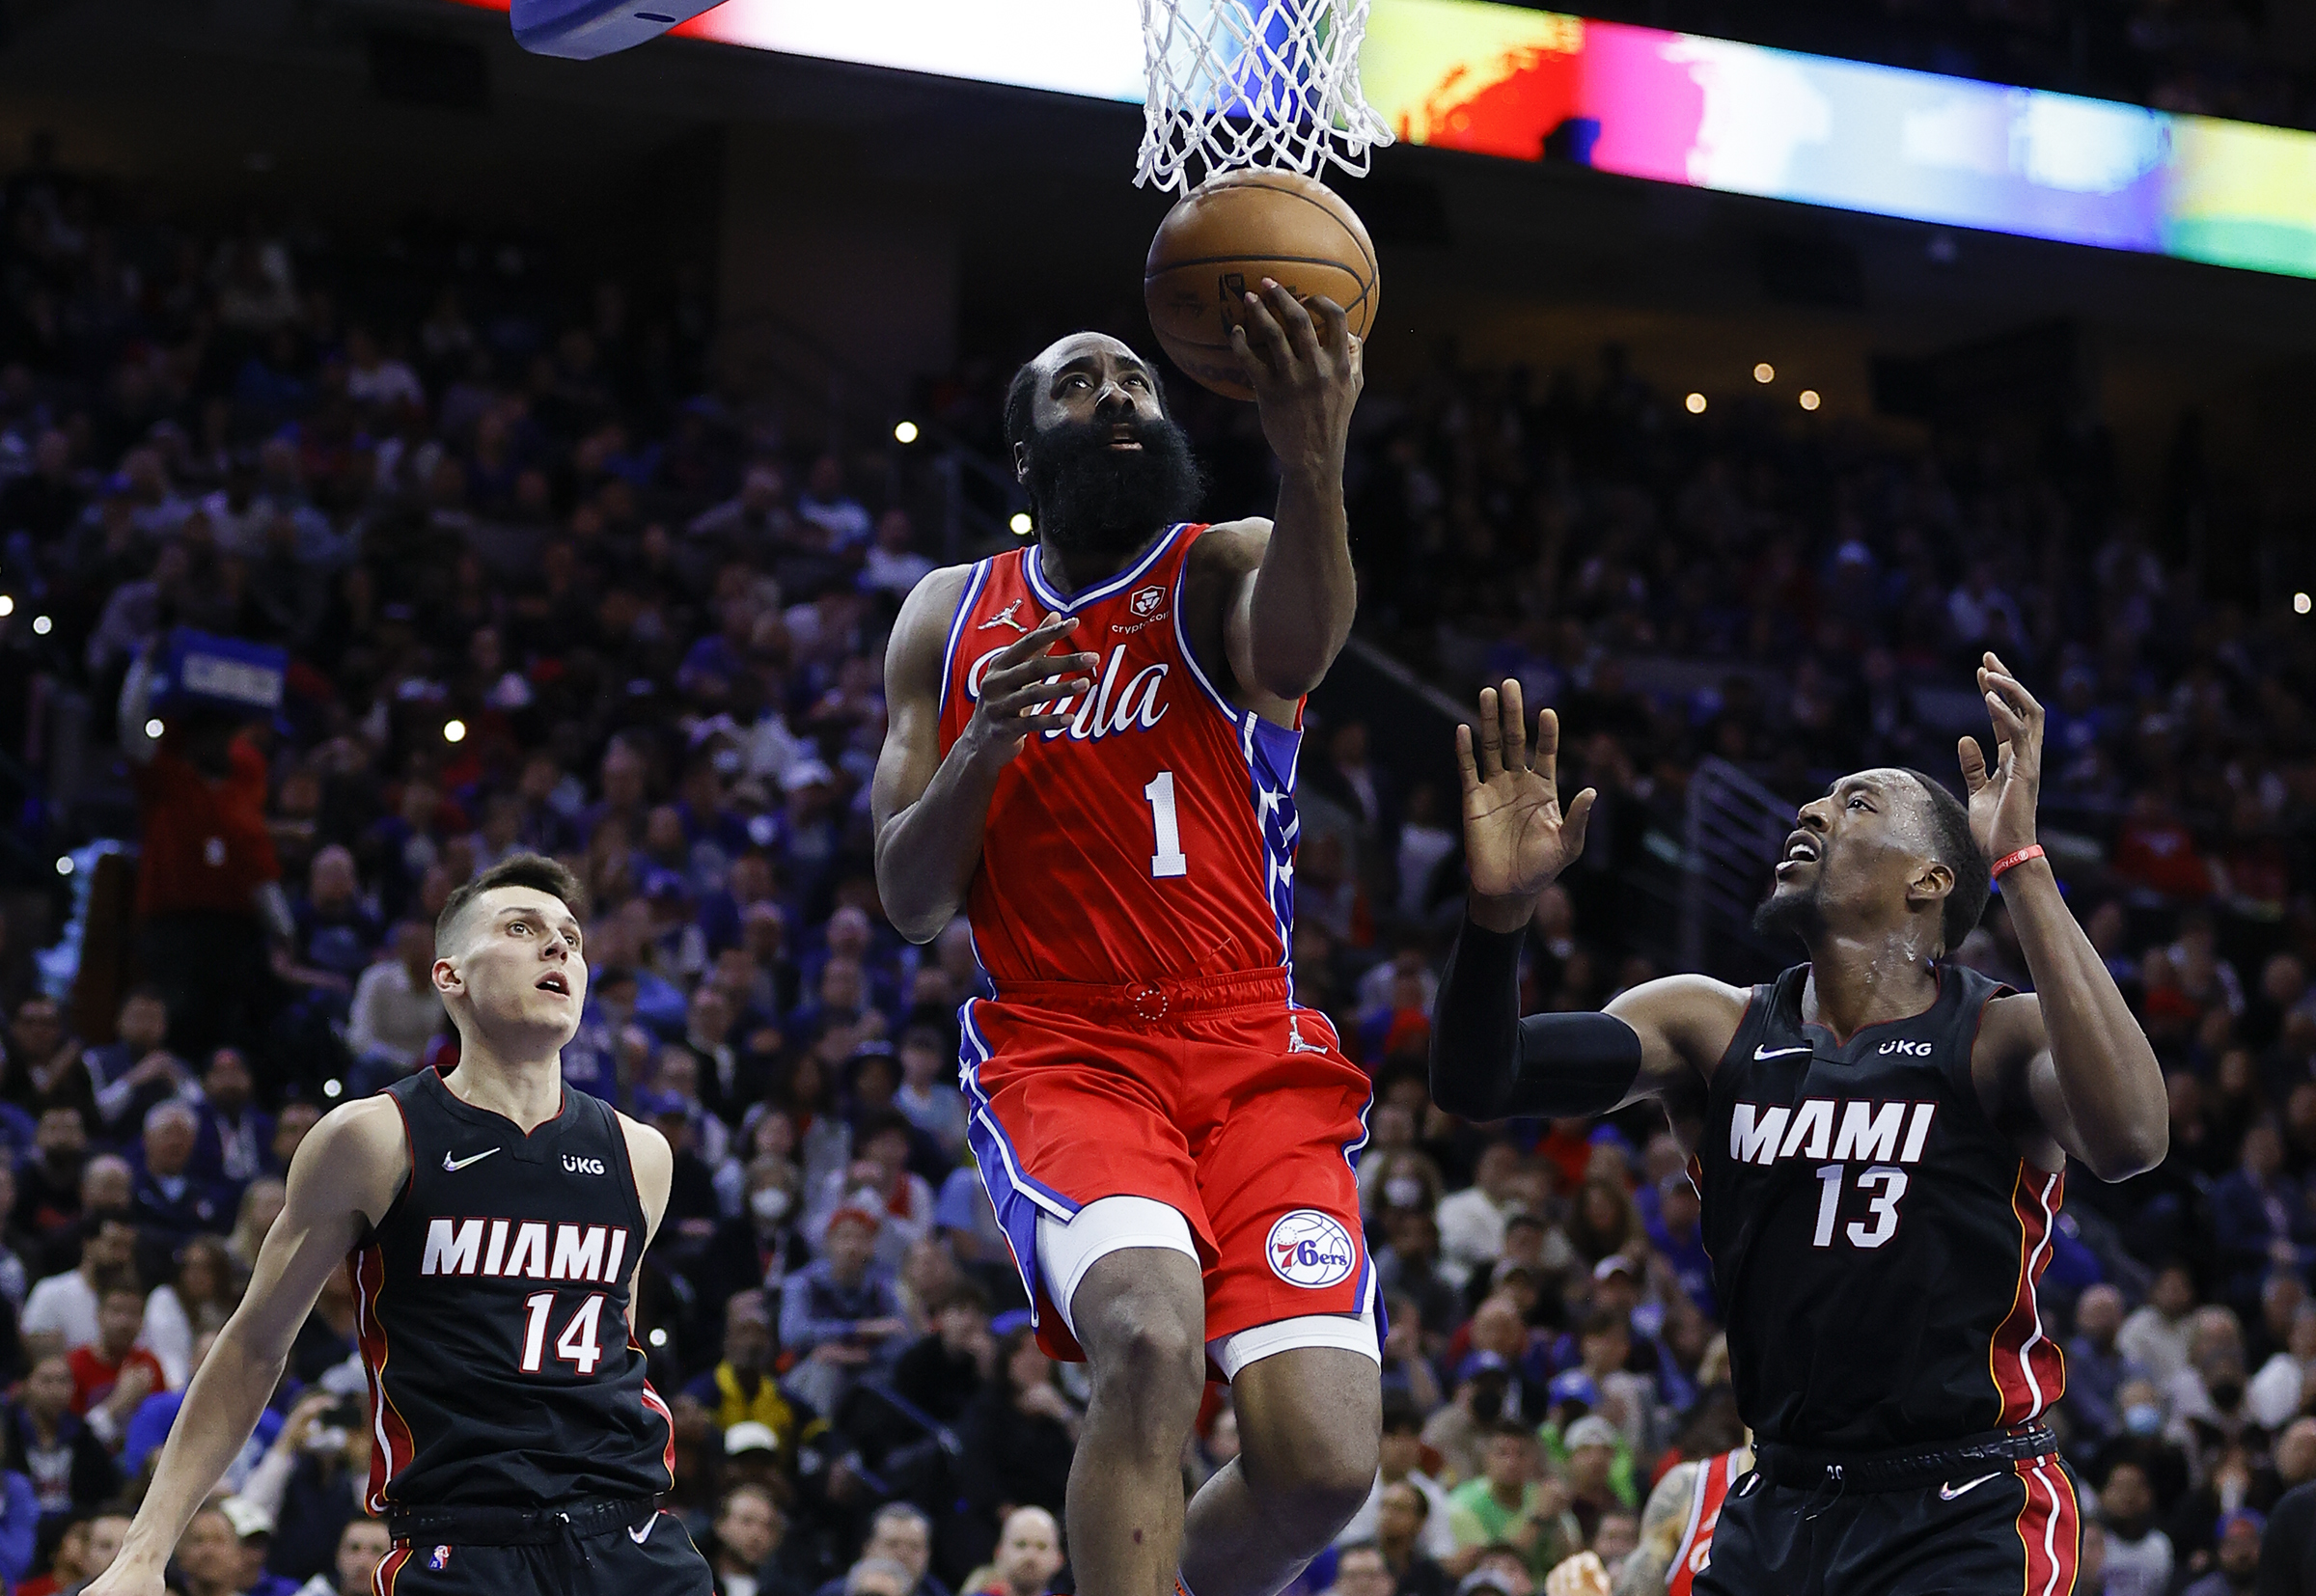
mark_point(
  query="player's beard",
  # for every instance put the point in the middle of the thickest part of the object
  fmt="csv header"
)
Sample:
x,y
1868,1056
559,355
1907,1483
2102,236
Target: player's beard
x,y
1800,915
1093,499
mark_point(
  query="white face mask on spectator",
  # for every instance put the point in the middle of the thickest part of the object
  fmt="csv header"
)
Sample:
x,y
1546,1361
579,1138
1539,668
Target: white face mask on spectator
x,y
1403,1192
771,1204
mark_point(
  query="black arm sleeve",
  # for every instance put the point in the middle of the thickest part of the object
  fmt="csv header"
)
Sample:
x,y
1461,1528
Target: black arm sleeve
x,y
1489,1063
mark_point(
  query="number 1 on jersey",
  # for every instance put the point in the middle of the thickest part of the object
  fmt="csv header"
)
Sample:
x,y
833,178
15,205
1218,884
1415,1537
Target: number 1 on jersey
x,y
1170,859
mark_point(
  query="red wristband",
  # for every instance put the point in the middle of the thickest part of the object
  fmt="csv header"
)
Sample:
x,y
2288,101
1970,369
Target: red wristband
x,y
2033,850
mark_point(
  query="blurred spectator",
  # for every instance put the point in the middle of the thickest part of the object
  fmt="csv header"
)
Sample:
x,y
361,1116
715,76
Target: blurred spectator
x,y
208,1556
112,1376
395,1010
2138,1555
839,1314
51,1445
62,1311
363,1544
1029,1554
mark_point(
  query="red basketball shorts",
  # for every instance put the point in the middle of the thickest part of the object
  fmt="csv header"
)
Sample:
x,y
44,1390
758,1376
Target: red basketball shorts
x,y
1213,1097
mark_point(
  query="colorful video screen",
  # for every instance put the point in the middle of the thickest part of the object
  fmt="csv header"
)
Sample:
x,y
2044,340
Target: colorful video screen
x,y
1708,113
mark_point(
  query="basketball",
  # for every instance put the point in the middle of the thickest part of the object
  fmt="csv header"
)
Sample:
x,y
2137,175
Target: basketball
x,y
1229,233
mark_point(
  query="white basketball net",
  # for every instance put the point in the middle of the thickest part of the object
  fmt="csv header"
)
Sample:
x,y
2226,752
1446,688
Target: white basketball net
x,y
1239,83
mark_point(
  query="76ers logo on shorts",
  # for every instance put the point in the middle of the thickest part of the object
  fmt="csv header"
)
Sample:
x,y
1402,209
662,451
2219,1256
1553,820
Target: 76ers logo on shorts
x,y
1310,1248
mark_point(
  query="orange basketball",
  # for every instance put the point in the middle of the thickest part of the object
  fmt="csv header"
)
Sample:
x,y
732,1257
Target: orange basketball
x,y
1229,233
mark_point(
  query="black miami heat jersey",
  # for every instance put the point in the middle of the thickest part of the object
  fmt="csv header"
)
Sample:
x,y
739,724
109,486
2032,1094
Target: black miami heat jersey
x,y
493,1314
1876,1239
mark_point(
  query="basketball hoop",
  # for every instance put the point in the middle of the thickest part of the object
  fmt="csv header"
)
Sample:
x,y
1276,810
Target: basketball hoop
x,y
1253,83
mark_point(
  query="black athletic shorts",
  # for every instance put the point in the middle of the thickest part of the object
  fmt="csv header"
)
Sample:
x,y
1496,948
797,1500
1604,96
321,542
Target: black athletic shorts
x,y
591,1548
1985,1525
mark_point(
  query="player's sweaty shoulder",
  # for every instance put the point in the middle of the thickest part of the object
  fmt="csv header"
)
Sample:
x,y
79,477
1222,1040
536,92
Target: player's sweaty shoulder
x,y
921,631
653,1162
356,1159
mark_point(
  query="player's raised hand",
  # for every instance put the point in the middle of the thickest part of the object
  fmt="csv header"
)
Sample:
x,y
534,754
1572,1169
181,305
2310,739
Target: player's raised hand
x,y
2002,799
1024,689
1305,366
1516,837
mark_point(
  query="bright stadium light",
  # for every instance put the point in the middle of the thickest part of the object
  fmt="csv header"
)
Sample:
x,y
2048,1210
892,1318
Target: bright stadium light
x,y
63,864
154,729
1810,399
904,432
2300,604
1694,404
42,626
1020,523
7,606
333,1088
1765,373
658,1336
453,731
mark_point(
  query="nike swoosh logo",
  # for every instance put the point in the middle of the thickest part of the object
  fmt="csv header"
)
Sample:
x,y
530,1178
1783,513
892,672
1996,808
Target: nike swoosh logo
x,y
1948,1492
454,1164
639,1533
1780,1052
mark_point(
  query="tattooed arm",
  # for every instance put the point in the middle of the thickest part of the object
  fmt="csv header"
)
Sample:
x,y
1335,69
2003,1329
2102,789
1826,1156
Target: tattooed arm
x,y
1644,1573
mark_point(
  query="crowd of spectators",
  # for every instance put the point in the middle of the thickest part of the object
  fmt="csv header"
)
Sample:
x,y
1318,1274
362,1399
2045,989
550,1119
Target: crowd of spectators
x,y
657,624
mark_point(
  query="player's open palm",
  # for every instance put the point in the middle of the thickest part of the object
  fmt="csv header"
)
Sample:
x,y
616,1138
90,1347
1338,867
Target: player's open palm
x,y
1023,691
1516,837
2003,798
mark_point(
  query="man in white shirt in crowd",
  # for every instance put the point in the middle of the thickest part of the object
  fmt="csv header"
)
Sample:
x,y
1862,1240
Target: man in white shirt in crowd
x,y
395,1012
1472,1220
362,1544
61,1313
2156,1335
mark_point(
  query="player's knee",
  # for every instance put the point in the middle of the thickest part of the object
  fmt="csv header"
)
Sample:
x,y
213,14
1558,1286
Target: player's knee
x,y
1315,1486
1336,1479
1148,1344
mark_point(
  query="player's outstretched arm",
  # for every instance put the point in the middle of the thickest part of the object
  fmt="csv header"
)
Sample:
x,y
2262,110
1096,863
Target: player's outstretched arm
x,y
345,1175
1288,614
1487,1063
2088,1071
929,810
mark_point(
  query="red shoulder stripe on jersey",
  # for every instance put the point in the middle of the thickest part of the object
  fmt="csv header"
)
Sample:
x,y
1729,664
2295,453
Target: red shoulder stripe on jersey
x,y
2023,1361
2050,1528
652,1401
394,1447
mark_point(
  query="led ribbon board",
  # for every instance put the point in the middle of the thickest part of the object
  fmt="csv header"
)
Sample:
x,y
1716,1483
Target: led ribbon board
x,y
1708,113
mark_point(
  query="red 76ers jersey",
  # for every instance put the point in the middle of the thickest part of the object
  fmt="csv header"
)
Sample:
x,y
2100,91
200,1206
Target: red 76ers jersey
x,y
1153,837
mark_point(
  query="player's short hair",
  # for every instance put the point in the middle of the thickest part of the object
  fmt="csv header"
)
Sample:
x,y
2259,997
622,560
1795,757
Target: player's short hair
x,y
1953,846
535,870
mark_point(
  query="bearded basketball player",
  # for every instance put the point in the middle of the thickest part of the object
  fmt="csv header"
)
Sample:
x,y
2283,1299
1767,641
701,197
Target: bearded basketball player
x,y
1092,754
1879,1136
493,1225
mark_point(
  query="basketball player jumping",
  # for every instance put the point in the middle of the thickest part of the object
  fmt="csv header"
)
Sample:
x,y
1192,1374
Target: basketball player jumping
x,y
1879,1138
1165,1135
493,1225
